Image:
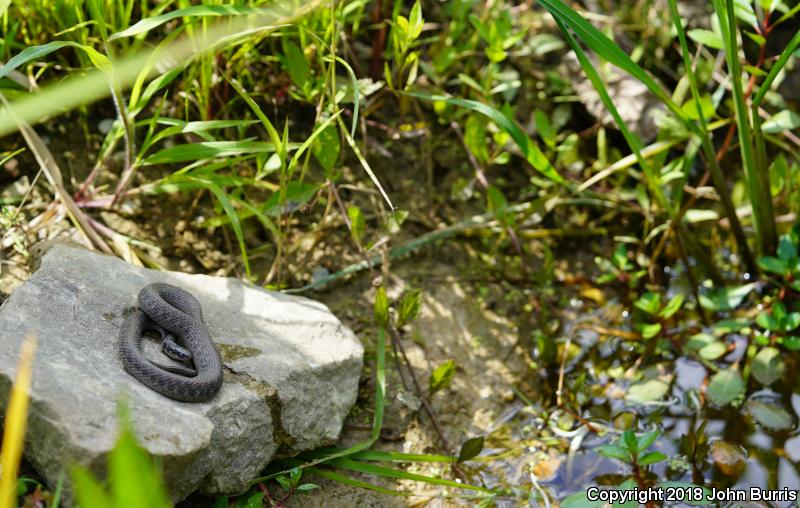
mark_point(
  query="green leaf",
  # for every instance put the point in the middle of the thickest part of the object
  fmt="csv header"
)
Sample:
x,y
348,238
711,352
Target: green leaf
x,y
296,63
88,491
722,299
649,303
357,224
767,321
787,250
725,386
409,307
773,265
645,440
529,149
672,307
470,449
651,458
614,452
706,108
706,38
630,441
326,149
295,195
32,53
770,415
475,137
256,499
791,343
415,22
135,481
307,487
646,391
381,308
497,203
768,366
442,375
649,330
782,121
730,325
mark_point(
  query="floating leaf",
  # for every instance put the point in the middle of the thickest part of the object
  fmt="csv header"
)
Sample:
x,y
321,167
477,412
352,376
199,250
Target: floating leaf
x,y
725,387
770,415
728,457
768,366
646,391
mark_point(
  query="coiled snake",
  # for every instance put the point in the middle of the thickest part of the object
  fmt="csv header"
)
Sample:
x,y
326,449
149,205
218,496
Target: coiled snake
x,y
170,311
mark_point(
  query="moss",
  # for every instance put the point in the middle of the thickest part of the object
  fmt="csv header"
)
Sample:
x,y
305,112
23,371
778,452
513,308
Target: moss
x,y
269,394
232,352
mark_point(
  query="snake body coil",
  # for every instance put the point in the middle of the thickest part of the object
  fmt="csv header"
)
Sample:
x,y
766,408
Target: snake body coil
x,y
171,311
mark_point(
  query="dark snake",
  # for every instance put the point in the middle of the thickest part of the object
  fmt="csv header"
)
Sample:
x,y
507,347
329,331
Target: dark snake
x,y
174,314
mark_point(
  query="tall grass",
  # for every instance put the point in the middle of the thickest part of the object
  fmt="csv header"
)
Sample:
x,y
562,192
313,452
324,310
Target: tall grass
x,y
747,123
14,425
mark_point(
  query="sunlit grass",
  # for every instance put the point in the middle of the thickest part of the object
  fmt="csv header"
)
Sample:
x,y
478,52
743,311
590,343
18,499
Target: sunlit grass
x,y
15,423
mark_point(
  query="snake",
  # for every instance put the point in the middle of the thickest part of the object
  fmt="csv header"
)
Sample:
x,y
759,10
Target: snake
x,y
178,317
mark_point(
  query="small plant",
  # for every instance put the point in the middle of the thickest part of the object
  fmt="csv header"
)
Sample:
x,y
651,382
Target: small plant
x,y
619,267
782,323
786,263
633,450
653,313
290,483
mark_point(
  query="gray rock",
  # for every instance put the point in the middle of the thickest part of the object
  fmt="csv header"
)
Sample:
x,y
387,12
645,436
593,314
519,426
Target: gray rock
x,y
291,374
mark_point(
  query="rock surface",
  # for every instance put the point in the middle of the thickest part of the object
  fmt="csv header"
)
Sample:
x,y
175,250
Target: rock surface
x,y
291,374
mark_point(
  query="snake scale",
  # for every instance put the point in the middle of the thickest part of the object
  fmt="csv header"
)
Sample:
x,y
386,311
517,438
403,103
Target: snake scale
x,y
171,311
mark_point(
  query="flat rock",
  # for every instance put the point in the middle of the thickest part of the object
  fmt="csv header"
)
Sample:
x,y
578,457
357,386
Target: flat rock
x,y
291,374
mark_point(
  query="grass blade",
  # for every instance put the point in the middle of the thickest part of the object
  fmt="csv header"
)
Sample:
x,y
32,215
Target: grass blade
x,y
632,139
209,150
760,198
708,148
608,50
196,11
15,423
387,472
787,53
527,146
346,480
35,52
233,216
